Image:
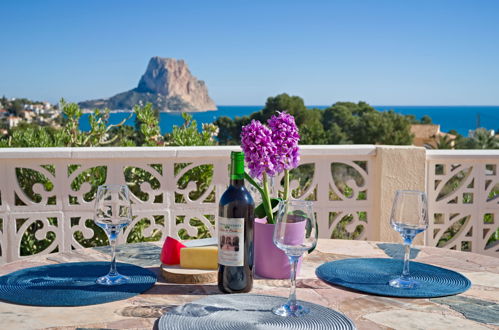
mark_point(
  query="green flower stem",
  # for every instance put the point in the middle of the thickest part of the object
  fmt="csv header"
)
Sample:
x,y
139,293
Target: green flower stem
x,y
266,200
265,195
286,185
267,204
253,183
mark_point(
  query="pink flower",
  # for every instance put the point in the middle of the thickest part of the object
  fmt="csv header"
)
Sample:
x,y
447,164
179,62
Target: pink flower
x,y
259,149
285,137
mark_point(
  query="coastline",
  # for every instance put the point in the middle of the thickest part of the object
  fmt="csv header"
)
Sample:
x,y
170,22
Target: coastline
x,y
458,118
89,111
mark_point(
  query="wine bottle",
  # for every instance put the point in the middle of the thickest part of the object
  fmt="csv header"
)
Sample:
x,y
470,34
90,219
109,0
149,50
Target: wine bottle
x,y
235,232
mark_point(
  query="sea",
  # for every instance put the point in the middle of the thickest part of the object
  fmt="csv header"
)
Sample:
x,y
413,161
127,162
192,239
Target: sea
x,y
459,118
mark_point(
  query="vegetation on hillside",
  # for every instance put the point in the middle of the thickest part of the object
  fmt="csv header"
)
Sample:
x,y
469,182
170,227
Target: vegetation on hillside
x,y
480,138
145,133
341,123
15,106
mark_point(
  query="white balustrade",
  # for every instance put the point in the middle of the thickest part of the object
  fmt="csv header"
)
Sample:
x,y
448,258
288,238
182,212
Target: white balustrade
x,y
47,193
51,189
463,190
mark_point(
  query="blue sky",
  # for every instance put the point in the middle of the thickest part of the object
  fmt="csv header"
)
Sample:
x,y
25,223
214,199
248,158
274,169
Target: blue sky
x,y
437,52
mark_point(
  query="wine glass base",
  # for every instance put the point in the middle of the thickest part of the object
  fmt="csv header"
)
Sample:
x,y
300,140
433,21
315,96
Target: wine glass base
x,y
287,310
113,280
404,283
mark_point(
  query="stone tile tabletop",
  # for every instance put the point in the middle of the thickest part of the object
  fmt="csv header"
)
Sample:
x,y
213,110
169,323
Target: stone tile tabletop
x,y
477,308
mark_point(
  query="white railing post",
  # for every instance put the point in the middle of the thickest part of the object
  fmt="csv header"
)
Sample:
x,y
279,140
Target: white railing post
x,y
9,248
395,168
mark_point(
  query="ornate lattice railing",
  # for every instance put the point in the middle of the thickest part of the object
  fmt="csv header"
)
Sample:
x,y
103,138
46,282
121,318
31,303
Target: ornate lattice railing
x,y
463,189
46,195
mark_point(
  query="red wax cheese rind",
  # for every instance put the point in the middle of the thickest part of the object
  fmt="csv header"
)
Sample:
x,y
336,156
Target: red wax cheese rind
x,y
170,253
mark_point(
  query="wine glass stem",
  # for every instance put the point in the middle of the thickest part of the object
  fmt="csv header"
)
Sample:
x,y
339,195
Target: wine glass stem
x,y
112,241
293,260
113,271
407,254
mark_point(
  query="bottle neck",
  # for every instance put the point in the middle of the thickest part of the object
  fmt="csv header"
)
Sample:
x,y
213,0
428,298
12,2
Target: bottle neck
x,y
237,182
237,170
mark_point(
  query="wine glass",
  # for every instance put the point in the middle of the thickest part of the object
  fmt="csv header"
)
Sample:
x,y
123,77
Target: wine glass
x,y
409,217
295,232
113,212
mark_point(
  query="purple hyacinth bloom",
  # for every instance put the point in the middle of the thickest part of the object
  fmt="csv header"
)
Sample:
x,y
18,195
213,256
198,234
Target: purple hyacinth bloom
x,y
285,136
259,149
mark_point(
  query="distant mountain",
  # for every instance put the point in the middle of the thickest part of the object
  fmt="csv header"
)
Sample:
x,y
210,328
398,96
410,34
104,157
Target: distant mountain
x,y
167,84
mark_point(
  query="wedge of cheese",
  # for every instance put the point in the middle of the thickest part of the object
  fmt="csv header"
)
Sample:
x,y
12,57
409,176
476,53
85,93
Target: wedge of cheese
x,y
202,257
170,253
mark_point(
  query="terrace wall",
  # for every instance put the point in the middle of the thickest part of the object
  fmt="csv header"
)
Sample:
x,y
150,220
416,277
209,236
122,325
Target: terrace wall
x,y
48,193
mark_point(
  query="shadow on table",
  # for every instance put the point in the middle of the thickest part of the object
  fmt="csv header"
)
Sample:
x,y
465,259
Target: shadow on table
x,y
140,254
162,287
397,251
199,310
180,289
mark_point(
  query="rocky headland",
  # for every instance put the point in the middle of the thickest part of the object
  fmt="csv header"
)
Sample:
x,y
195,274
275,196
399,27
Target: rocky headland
x,y
168,84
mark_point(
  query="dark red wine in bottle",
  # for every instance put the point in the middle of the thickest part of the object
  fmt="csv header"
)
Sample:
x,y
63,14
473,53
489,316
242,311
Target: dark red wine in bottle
x,y
235,232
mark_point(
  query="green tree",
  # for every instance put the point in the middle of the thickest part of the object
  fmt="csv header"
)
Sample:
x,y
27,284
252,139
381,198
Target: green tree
x,y
15,107
4,101
99,127
426,120
484,139
230,130
445,142
342,123
293,105
147,126
383,128
347,122
227,133
189,135
32,136
123,135
481,138
312,130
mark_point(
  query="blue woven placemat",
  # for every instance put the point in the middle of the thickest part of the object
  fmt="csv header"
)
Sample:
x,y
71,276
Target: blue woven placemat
x,y
372,275
72,284
249,311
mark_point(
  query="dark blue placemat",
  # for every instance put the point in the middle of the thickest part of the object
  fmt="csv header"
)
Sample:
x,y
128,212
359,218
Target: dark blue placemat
x,y
72,284
249,311
372,275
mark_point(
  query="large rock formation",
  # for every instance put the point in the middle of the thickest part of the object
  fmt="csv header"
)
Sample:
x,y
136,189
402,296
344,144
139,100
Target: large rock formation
x,y
167,84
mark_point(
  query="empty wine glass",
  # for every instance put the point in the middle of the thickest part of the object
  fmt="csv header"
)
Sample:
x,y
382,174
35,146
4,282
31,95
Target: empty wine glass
x,y
409,217
295,232
113,212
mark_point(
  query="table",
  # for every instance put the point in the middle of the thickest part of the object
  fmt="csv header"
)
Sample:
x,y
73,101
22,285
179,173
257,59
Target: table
x,y
478,308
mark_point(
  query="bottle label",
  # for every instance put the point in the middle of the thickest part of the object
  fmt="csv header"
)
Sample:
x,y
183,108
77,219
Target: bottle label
x,y
231,241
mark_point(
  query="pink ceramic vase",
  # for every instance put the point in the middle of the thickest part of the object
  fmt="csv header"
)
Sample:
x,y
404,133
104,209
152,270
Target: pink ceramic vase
x,y
269,260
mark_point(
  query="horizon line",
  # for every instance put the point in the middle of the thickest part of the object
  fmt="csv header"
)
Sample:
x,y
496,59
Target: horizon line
x,y
373,105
